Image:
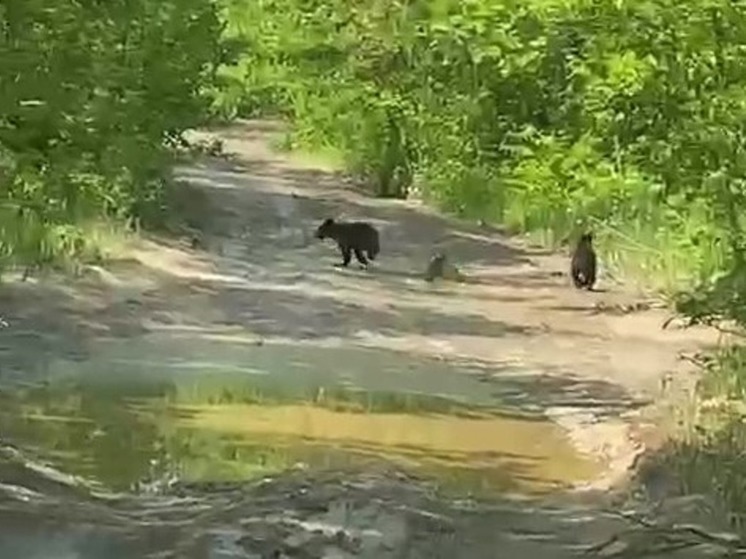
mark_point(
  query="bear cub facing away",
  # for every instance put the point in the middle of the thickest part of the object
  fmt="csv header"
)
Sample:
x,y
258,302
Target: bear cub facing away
x,y
583,264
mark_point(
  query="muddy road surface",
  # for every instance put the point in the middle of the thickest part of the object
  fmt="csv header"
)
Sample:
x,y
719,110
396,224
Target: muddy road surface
x,y
228,392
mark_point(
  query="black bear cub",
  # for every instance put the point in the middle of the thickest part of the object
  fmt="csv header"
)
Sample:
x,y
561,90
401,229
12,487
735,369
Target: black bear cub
x,y
583,265
359,237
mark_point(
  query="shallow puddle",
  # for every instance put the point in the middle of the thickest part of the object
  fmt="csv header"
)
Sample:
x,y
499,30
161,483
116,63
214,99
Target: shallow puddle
x,y
136,429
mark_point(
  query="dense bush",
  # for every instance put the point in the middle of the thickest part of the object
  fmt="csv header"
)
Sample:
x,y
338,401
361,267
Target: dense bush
x,y
544,115
91,93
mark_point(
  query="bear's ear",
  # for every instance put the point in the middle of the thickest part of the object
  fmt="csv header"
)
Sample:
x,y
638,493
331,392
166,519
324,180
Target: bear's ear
x,y
328,221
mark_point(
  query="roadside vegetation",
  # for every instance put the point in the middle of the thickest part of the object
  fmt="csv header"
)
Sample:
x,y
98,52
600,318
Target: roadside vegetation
x,y
547,117
92,96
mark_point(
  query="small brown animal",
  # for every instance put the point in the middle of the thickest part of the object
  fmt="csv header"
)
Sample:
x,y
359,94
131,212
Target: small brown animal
x,y
583,265
359,237
440,267
436,267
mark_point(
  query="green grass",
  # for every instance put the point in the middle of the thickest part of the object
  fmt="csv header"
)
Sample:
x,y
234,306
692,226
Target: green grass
x,y
705,456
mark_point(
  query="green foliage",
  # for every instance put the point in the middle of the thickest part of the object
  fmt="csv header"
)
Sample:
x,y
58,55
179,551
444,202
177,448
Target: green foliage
x,y
708,457
92,94
544,115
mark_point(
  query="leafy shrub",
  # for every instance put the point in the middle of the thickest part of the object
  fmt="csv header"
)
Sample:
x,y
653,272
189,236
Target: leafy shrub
x,y
92,94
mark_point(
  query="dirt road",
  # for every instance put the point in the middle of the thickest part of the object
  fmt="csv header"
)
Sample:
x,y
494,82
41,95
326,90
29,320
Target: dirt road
x,y
560,383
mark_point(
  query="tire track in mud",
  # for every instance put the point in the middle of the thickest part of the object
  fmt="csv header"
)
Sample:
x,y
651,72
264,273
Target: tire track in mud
x,y
371,515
